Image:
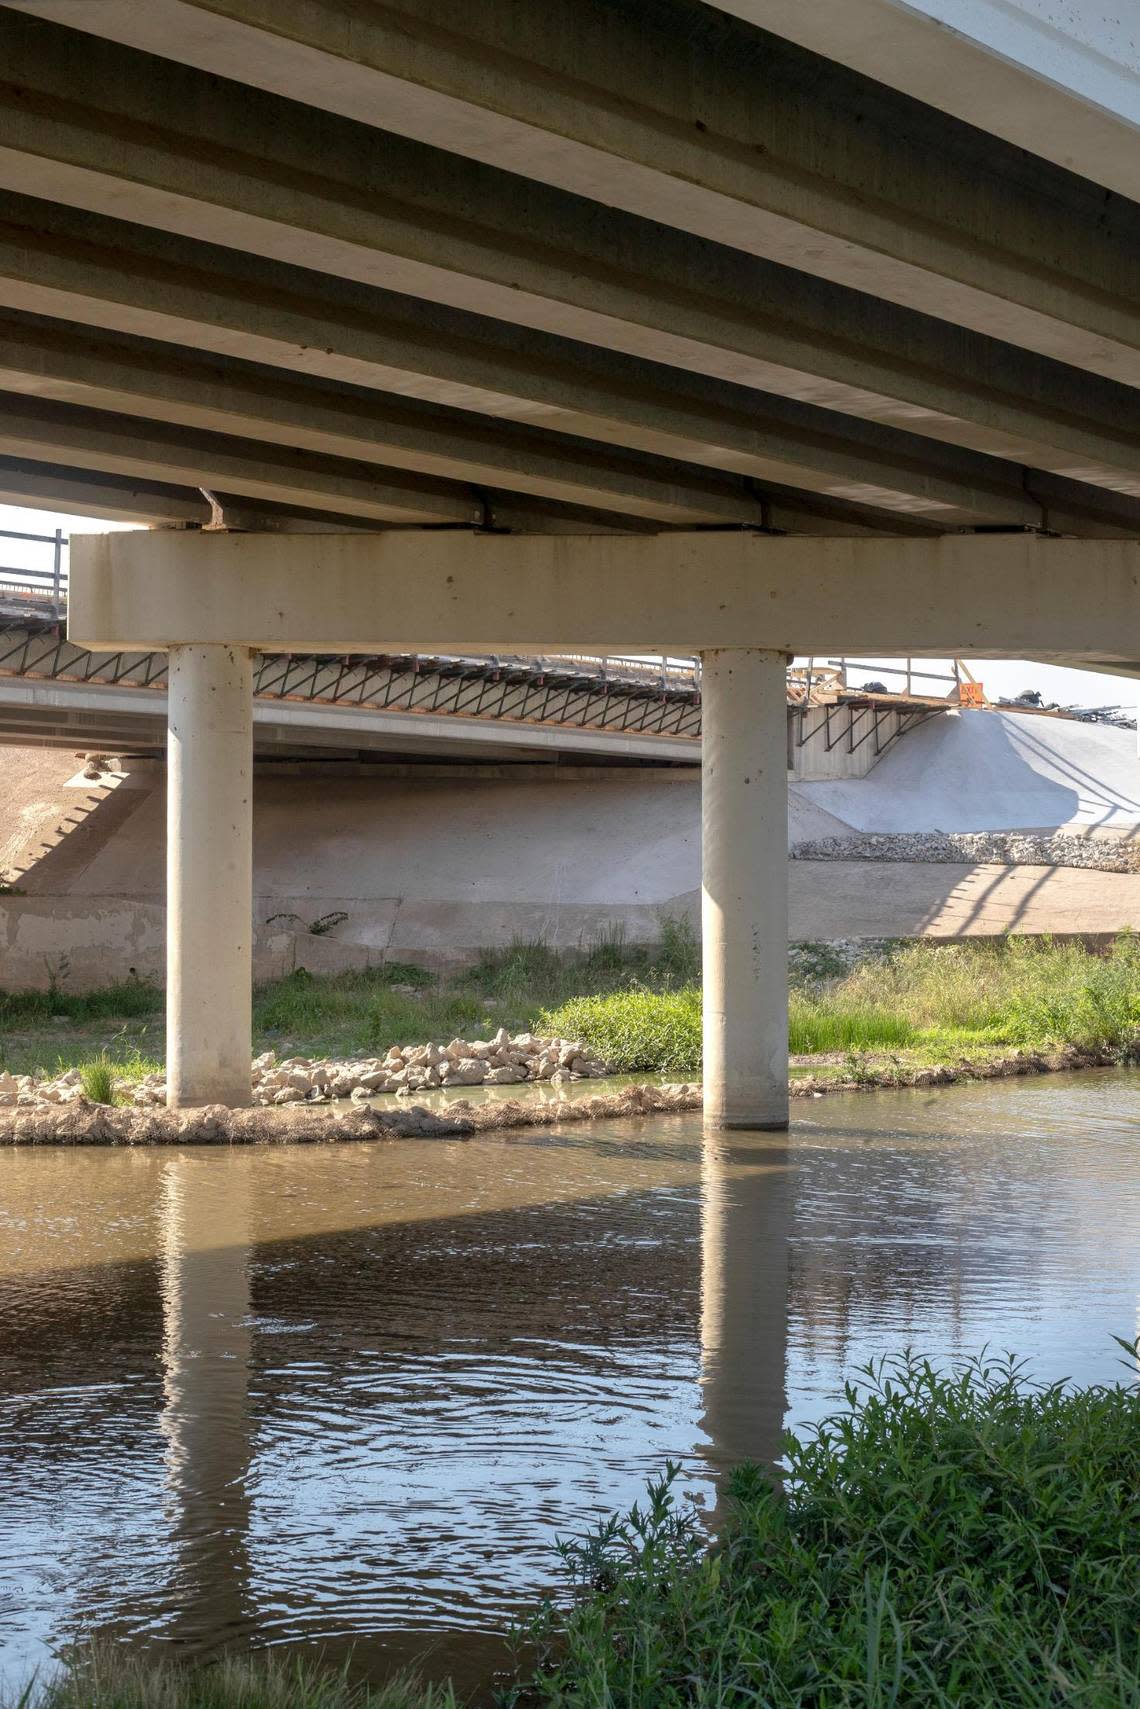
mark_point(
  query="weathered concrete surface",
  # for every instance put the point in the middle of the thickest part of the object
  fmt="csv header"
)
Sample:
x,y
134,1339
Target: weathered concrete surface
x,y
102,940
1016,596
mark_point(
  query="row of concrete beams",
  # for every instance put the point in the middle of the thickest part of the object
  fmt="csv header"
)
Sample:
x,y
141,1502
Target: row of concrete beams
x,y
292,439
333,368
667,111
95,126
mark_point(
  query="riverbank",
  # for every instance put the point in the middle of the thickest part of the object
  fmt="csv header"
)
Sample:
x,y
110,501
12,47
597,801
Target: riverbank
x,y
847,1586
885,1015
81,1121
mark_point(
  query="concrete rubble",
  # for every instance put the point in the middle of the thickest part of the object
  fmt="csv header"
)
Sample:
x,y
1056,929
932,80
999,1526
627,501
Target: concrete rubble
x,y
80,1122
500,1061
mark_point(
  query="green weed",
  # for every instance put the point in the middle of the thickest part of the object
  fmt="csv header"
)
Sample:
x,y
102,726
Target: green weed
x,y
636,1031
965,1538
679,954
829,1022
127,999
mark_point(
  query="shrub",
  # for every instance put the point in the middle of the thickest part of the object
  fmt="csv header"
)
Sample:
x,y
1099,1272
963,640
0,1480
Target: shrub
x,y
635,1031
678,953
962,1539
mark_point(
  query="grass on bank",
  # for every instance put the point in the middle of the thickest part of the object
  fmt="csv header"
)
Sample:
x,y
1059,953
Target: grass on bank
x,y
920,1002
106,1677
963,1539
348,1014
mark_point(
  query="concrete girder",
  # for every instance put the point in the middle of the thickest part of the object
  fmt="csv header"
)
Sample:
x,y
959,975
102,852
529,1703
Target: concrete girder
x,y
235,167
118,498
1012,71
43,431
693,121
78,492
46,360
988,595
129,280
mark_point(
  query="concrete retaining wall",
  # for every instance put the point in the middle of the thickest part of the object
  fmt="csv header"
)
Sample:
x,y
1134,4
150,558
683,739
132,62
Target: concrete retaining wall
x,y
431,864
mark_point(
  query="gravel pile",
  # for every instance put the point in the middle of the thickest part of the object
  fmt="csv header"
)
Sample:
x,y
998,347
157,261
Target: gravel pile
x,y
975,848
501,1061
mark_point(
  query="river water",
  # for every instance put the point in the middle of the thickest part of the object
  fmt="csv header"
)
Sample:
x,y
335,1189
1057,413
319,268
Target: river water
x,y
351,1394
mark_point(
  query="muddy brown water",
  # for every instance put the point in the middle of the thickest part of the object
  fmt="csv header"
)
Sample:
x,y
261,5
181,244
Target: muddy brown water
x,y
350,1395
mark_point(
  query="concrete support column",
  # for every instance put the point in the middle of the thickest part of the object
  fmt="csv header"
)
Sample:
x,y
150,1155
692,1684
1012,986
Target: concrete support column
x,y
744,887
209,876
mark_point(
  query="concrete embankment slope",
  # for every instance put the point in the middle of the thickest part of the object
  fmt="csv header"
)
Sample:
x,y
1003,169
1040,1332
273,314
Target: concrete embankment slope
x,y
432,864
993,771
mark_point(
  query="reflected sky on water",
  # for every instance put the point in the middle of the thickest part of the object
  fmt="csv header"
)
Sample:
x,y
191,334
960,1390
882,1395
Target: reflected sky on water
x,y
351,1394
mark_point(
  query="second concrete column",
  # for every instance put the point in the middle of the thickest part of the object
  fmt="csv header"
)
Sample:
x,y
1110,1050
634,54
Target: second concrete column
x,y
209,876
744,887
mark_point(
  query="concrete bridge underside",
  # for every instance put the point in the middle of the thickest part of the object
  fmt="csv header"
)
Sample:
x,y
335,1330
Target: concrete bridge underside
x,y
658,326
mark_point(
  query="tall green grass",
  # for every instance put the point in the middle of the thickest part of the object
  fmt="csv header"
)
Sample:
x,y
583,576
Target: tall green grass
x,y
965,1539
127,999
106,1676
836,1022
1024,991
97,1077
660,1032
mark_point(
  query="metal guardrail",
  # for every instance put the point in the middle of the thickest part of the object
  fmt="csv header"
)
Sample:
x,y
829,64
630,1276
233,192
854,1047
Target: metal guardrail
x,y
41,587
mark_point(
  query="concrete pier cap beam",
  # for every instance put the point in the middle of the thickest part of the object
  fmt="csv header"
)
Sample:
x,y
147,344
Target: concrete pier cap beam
x,y
1016,595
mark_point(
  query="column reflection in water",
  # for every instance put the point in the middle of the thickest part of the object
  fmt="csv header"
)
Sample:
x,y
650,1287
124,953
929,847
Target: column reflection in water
x,y
205,1419
746,1215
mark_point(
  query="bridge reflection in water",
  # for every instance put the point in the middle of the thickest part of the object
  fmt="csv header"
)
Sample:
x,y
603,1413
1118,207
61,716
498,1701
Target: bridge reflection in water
x,y
207,1342
207,1419
348,1396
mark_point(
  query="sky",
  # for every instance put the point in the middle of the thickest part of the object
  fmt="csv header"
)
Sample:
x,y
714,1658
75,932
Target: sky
x,y
999,677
